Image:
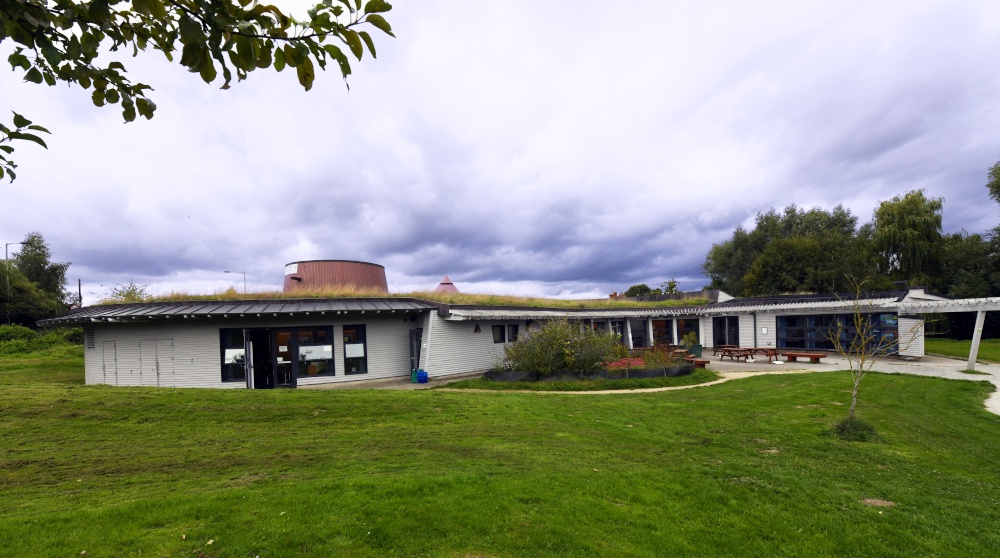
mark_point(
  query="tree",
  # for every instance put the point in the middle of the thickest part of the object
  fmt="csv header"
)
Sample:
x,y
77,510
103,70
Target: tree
x,y
669,287
33,261
907,236
64,41
993,181
27,302
862,348
743,265
641,289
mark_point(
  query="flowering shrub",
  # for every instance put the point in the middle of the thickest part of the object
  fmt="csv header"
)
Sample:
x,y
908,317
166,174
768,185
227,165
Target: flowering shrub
x,y
560,346
625,363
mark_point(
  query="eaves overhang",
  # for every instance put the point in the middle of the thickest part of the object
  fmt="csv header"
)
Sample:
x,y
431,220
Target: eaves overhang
x,y
195,310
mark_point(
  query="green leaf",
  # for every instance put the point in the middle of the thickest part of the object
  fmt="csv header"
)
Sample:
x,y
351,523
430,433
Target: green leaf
x,y
368,41
191,56
112,96
375,6
190,31
128,113
264,56
306,73
6,149
33,75
353,41
98,97
342,60
38,128
99,11
380,22
20,121
207,69
279,60
29,137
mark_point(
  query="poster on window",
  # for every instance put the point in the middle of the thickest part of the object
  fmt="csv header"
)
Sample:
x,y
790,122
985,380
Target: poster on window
x,y
235,356
354,350
316,352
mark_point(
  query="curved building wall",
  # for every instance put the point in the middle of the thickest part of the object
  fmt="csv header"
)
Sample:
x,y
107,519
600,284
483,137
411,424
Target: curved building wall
x,y
320,274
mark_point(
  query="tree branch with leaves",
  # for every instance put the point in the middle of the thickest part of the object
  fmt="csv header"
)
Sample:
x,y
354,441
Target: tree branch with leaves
x,y
63,41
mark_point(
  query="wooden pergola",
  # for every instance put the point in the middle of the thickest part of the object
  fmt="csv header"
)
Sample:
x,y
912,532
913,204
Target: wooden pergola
x,y
978,305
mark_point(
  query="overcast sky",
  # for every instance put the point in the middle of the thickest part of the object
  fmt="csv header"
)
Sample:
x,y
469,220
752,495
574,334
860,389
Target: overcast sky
x,y
548,148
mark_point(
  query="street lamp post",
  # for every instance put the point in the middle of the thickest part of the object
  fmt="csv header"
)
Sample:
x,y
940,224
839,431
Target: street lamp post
x,y
6,260
244,279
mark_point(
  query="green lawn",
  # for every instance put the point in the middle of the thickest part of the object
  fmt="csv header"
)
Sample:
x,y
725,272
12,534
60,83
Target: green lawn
x,y
989,349
741,468
61,364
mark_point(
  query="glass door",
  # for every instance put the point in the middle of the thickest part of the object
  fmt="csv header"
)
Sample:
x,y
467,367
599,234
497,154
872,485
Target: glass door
x,y
284,372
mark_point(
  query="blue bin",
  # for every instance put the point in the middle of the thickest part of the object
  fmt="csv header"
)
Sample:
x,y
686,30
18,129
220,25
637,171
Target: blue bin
x,y
421,377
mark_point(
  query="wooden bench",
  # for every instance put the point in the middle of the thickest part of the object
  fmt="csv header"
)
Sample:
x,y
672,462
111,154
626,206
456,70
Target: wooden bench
x,y
813,357
697,362
735,353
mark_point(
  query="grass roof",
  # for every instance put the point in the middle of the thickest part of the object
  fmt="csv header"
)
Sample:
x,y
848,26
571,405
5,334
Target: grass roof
x,y
467,299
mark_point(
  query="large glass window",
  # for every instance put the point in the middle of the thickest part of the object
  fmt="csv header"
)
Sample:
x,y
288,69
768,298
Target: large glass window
x,y
813,332
233,349
355,350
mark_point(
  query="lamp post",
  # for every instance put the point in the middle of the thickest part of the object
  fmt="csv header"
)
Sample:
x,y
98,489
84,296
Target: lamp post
x,y
244,279
6,260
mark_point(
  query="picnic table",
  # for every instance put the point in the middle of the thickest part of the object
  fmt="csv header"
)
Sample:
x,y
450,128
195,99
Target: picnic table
x,y
748,352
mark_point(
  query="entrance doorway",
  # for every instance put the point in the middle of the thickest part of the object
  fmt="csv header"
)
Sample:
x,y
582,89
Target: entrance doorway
x,y
260,357
726,331
416,337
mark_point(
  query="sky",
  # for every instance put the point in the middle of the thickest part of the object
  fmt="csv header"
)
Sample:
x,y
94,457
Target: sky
x,y
553,148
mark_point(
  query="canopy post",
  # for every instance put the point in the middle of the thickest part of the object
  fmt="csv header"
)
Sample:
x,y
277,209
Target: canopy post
x,y
977,334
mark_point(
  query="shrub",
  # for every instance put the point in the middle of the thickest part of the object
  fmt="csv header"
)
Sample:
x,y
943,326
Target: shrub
x,y
561,346
854,429
16,346
11,332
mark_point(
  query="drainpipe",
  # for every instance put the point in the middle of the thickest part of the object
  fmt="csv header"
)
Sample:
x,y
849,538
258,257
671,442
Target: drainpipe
x,y
754,329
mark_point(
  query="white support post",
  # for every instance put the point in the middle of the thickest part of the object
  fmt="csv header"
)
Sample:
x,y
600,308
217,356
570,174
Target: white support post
x,y
649,332
674,326
628,333
977,334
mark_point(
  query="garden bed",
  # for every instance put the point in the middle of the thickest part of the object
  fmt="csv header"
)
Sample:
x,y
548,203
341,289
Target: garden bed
x,y
568,375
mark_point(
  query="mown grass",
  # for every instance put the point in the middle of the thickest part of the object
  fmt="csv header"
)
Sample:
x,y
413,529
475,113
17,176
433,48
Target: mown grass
x,y
445,298
989,349
699,376
742,468
60,364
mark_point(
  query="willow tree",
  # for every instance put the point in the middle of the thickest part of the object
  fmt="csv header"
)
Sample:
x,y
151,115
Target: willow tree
x,y
68,41
907,236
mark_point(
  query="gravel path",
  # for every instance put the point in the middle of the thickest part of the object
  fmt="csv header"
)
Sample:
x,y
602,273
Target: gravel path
x,y
941,367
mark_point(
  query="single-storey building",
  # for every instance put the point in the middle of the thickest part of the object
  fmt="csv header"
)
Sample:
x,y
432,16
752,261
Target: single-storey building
x,y
291,343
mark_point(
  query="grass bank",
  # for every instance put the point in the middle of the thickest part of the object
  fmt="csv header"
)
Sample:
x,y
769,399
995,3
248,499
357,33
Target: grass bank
x,y
741,468
989,349
700,376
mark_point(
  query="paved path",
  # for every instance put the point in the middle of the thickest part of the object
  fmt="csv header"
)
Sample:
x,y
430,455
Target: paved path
x,y
941,367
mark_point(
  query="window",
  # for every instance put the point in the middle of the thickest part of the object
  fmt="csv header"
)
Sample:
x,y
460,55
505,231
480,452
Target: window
x,y
686,326
233,353
812,332
499,334
618,328
315,351
355,350
512,333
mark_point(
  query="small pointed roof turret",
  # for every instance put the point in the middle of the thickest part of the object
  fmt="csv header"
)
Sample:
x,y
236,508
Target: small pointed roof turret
x,y
446,286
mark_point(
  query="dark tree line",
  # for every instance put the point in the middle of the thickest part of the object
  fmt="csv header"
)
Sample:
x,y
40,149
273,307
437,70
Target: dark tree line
x,y
37,285
798,251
